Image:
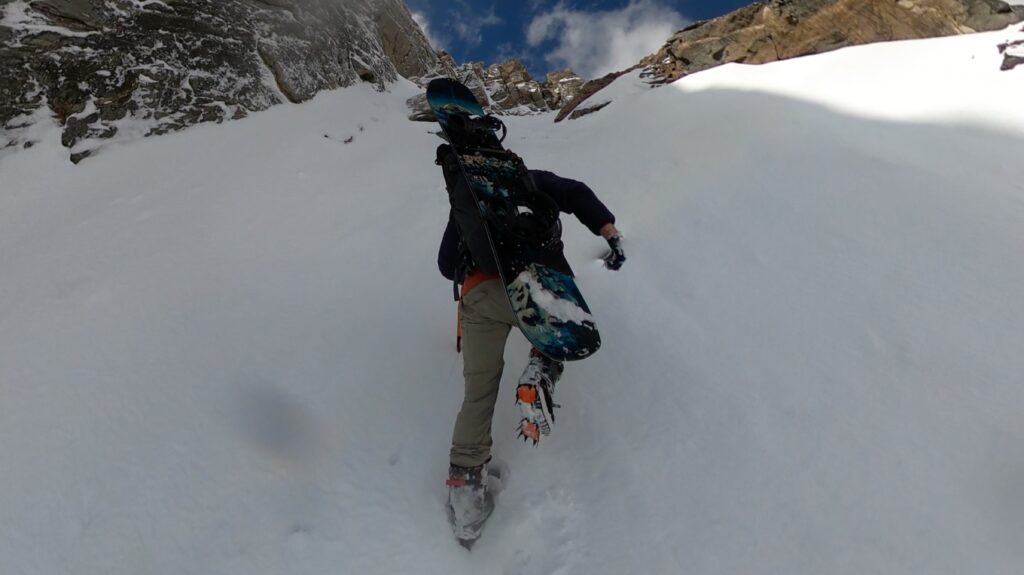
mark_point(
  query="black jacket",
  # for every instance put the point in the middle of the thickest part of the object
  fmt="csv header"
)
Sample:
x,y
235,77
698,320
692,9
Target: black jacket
x,y
571,196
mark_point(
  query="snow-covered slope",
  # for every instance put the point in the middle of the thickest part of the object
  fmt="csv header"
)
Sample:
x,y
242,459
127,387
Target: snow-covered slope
x,y
229,351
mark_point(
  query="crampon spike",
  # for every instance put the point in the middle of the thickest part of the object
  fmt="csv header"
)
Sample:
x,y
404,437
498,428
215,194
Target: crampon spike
x,y
529,430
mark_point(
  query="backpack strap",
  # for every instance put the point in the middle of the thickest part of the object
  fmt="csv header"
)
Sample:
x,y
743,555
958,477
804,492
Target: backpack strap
x,y
464,263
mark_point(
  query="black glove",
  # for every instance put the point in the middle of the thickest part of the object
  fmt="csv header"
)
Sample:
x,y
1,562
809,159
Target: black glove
x,y
615,256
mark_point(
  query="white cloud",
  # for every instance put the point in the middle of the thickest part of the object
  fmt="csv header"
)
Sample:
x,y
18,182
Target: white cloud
x,y
469,24
596,43
508,50
421,20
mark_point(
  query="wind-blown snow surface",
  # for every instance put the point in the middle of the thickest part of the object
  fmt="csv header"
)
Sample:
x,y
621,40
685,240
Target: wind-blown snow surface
x,y
229,351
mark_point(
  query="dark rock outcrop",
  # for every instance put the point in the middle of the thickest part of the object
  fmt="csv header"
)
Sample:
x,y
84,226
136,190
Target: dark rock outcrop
x,y
119,68
511,86
562,88
1013,54
582,104
780,29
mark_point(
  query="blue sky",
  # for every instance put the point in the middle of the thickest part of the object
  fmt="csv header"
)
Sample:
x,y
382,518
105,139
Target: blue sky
x,y
593,38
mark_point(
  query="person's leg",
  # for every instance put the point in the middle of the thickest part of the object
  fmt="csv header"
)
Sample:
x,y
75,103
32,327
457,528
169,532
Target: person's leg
x,y
486,321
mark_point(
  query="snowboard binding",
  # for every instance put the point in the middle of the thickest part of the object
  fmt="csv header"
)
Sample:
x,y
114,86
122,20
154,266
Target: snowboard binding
x,y
530,219
475,131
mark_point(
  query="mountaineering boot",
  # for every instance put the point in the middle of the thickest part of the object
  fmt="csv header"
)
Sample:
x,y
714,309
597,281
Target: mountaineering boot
x,y
470,502
535,396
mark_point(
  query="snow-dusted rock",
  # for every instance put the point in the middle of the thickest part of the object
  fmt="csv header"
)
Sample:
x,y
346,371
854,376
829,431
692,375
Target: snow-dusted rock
x,y
129,68
780,29
564,86
505,88
1013,53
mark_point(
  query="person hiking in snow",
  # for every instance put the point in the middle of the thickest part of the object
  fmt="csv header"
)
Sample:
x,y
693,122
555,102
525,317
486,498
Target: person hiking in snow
x,y
487,318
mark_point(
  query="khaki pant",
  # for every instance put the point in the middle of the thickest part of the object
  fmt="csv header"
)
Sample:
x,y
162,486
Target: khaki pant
x,y
486,321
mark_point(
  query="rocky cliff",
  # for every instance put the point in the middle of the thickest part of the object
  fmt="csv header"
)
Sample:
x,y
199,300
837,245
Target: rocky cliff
x,y
1013,54
780,29
120,69
505,88
126,68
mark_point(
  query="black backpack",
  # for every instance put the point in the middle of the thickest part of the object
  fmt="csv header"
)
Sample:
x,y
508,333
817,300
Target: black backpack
x,y
527,228
474,247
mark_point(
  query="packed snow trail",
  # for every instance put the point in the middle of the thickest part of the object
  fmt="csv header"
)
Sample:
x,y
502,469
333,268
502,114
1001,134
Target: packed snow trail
x,y
229,350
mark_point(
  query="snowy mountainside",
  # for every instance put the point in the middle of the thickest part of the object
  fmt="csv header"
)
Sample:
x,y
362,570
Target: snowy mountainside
x,y
782,29
122,69
211,362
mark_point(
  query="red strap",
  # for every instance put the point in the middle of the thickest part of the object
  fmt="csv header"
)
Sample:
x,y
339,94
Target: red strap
x,y
474,279
455,483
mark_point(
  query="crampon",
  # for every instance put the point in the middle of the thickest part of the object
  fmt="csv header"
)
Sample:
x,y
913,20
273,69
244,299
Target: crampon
x,y
534,396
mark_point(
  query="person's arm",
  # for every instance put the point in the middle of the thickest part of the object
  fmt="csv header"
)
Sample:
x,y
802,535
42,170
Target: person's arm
x,y
609,230
578,199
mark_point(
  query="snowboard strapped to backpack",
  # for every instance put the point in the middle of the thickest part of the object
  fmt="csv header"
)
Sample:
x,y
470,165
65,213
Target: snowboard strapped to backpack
x,y
509,227
526,223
